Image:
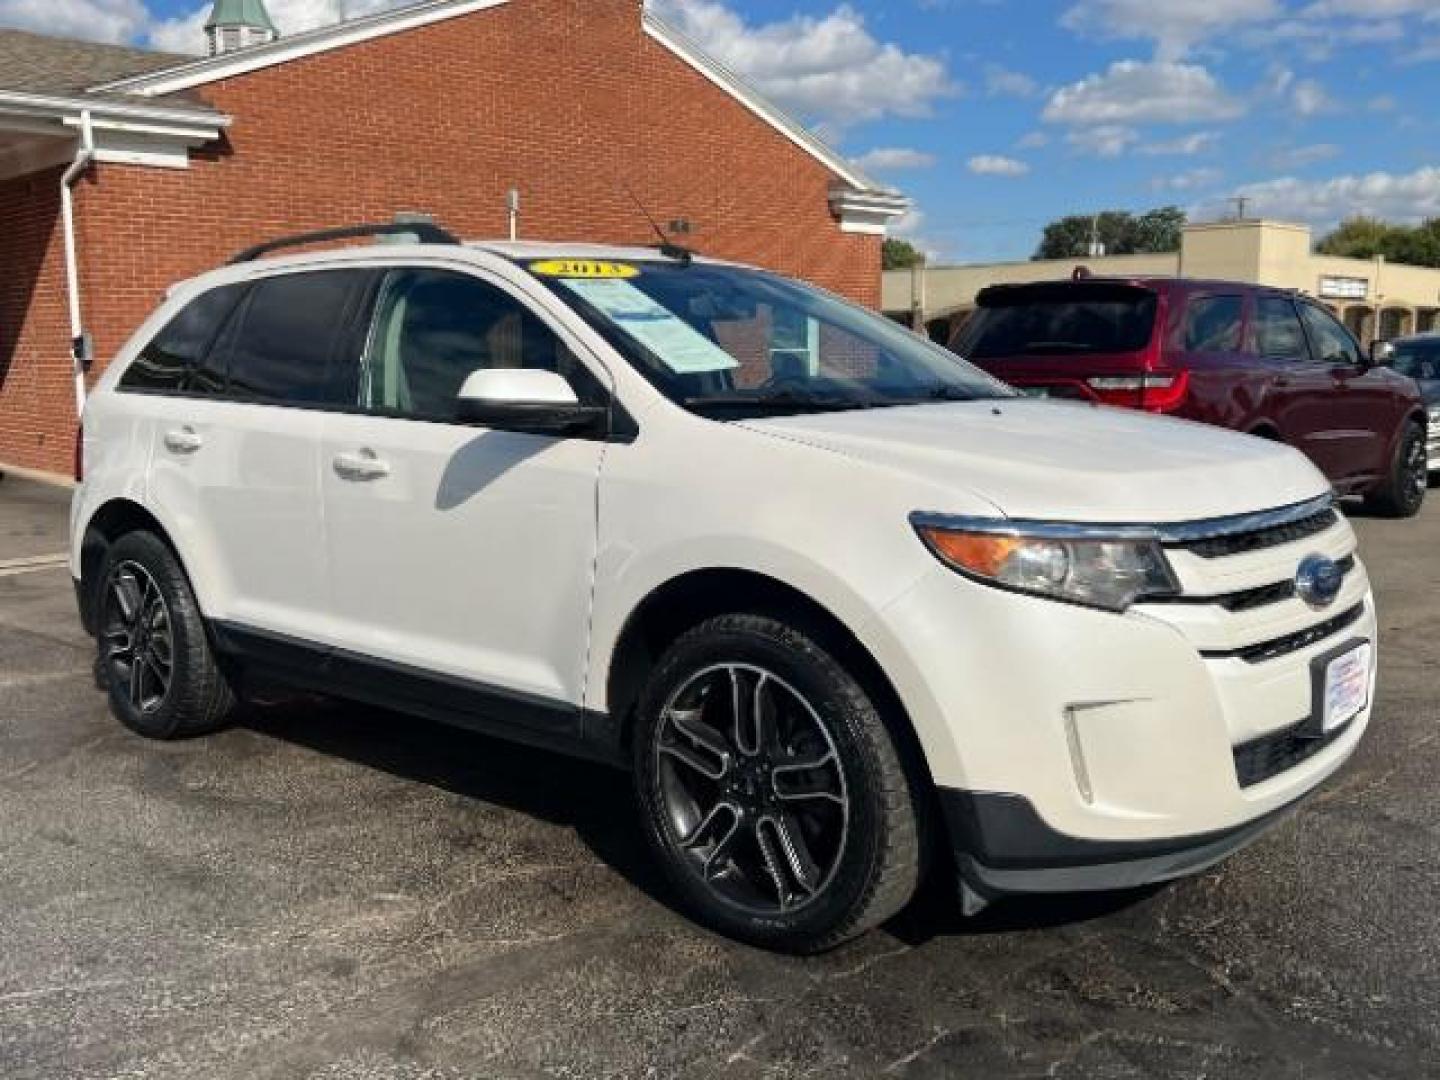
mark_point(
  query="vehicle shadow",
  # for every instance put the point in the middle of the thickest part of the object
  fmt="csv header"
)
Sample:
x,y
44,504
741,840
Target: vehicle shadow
x,y
596,802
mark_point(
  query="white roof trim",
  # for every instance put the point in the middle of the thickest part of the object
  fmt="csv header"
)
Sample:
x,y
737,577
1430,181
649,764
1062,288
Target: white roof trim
x,y
61,107
756,102
285,49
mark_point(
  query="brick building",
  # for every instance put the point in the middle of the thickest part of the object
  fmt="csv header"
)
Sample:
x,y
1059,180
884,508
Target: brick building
x,y
443,107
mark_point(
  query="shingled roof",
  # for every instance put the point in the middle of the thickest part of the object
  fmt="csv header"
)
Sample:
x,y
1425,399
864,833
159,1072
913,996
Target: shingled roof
x,y
62,67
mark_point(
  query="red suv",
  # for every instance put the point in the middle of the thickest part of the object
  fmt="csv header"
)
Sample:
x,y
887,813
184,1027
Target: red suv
x,y
1268,362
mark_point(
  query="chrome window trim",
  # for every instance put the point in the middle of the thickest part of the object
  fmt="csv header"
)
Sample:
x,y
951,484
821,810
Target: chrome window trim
x,y
1171,535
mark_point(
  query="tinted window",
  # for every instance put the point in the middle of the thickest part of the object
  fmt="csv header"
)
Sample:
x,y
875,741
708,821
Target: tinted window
x,y
1418,360
1330,343
177,359
1072,322
435,328
286,349
1278,335
1212,324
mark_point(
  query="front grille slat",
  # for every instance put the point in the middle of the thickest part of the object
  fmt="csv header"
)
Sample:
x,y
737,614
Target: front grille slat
x,y
1251,599
1267,757
1292,532
1291,643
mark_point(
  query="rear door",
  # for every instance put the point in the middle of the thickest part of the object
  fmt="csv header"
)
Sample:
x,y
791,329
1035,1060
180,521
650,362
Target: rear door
x,y
462,558
1091,341
236,456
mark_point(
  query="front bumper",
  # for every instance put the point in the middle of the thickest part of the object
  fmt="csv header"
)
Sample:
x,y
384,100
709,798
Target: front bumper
x,y
1144,746
1003,847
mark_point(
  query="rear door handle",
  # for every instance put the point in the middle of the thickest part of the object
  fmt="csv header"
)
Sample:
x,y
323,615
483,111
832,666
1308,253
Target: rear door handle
x,y
183,441
360,466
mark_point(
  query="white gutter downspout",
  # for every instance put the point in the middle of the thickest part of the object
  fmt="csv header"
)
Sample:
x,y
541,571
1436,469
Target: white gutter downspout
x,y
78,347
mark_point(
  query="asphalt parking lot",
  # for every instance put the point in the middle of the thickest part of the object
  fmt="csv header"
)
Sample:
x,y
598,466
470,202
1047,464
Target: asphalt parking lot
x,y
332,892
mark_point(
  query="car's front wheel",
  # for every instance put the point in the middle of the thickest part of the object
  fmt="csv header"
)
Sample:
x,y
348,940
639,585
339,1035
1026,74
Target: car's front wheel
x,y
155,658
1402,493
772,789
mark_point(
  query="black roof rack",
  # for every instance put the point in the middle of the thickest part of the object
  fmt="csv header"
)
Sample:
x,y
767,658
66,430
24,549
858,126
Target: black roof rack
x,y
424,232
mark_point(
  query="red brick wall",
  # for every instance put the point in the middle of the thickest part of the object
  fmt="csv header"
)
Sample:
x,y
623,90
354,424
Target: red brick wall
x,y
37,397
568,100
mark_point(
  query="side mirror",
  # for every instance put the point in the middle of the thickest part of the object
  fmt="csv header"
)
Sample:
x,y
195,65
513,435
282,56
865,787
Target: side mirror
x,y
526,400
1381,353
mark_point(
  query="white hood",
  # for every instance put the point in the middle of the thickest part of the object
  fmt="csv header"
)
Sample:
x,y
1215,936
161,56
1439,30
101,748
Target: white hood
x,y
1066,461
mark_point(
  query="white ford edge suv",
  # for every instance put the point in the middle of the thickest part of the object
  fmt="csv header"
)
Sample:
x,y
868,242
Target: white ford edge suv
x,y
839,601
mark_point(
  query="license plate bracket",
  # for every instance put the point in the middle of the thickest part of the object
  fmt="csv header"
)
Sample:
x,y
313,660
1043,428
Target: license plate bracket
x,y
1340,681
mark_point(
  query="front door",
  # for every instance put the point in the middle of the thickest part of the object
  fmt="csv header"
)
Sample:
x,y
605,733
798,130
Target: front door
x,y
1361,407
461,558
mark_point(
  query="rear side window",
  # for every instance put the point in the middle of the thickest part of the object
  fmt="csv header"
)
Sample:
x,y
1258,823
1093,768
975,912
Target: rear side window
x,y
1278,334
1213,324
178,359
287,347
1059,322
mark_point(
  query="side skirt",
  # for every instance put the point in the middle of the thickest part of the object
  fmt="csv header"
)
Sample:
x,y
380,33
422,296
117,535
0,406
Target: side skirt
x,y
505,714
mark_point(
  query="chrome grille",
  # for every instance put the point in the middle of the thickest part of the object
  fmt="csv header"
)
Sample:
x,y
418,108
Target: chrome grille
x,y
1283,646
1254,599
1241,543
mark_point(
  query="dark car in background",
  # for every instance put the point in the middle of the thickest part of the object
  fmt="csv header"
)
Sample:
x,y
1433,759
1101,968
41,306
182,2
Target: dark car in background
x,y
1419,358
1264,361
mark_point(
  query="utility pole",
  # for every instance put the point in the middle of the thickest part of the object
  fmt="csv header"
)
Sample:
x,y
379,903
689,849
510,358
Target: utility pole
x,y
1097,249
1242,204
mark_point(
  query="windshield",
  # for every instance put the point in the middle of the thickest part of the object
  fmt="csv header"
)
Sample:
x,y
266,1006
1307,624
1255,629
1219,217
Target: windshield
x,y
1067,321
1418,359
733,343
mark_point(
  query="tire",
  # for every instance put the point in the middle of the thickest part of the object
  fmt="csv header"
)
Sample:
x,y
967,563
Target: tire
x,y
723,809
1402,493
144,597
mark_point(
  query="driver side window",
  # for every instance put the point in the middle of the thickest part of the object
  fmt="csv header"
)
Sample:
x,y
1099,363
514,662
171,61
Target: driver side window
x,y
433,329
1330,343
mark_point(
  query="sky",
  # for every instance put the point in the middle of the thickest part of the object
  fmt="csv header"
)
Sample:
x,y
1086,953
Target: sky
x,y
996,116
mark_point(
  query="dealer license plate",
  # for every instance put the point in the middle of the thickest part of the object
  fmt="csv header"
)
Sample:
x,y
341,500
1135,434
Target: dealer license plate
x,y
1347,686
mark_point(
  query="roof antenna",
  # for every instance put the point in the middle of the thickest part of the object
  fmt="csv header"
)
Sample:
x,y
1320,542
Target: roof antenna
x,y
668,248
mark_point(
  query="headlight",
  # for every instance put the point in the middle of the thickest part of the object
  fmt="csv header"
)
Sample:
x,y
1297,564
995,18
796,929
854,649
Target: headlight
x,y
1094,565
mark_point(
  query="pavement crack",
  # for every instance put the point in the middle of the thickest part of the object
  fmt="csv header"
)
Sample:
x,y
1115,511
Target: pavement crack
x,y
902,1063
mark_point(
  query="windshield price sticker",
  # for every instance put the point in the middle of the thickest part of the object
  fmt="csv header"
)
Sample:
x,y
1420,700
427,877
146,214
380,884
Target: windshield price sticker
x,y
586,269
682,348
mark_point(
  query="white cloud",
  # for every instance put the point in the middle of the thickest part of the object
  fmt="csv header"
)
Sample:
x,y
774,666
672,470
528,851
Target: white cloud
x,y
1309,98
1185,146
1408,197
1134,92
1106,141
95,20
1190,180
828,68
1001,81
186,33
1298,157
1174,25
1032,140
1370,9
892,159
995,165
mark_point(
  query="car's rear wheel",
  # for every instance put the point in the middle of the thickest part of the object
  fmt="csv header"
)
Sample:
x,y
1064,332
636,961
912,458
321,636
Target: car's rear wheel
x,y
1402,494
154,657
771,788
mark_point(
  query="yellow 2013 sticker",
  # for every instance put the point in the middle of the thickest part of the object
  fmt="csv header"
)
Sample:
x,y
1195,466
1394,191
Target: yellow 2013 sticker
x,y
583,268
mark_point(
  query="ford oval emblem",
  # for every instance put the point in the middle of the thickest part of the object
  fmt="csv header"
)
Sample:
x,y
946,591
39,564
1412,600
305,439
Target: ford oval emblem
x,y
1318,581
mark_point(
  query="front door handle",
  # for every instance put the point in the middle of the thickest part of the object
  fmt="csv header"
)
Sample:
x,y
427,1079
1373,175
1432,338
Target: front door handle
x,y
360,466
183,441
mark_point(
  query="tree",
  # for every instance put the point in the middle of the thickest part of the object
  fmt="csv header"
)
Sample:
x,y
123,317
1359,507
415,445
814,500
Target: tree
x,y
1359,237
1121,232
902,255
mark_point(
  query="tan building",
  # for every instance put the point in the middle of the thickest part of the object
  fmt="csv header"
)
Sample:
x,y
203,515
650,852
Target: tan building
x,y
1376,299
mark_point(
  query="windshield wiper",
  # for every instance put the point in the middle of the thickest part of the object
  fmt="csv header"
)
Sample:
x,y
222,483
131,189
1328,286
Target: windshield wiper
x,y
777,401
